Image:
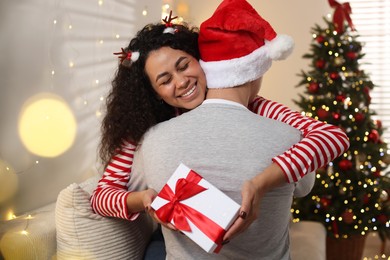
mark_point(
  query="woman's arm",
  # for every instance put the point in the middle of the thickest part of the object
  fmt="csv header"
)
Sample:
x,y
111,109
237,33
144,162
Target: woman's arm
x,y
110,197
321,142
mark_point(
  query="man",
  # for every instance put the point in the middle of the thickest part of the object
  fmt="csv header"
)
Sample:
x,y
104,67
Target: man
x,y
227,144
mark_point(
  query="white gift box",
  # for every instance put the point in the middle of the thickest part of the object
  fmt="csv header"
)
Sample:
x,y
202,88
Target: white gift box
x,y
212,203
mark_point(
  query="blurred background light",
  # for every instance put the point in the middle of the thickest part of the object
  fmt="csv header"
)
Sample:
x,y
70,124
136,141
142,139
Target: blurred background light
x,y
47,126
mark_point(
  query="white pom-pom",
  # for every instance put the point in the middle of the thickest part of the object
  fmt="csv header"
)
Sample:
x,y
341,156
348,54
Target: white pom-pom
x,y
169,30
134,56
280,47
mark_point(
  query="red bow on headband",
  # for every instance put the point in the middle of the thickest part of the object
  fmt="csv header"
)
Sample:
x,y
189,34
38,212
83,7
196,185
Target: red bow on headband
x,y
342,12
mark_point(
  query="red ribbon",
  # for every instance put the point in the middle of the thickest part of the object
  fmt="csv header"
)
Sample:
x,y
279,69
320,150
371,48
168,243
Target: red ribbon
x,y
342,12
179,212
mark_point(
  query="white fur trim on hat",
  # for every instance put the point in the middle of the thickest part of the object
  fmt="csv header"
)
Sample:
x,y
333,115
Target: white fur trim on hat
x,y
280,47
235,72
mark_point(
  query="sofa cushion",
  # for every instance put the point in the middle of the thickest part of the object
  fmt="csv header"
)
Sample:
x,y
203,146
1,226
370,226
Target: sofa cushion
x,y
82,234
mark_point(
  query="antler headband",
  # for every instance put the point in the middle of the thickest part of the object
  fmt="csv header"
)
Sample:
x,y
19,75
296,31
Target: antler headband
x,y
127,57
168,24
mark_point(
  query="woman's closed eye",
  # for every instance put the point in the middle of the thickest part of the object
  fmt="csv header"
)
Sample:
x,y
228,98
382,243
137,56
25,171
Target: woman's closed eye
x,y
163,78
183,67
166,80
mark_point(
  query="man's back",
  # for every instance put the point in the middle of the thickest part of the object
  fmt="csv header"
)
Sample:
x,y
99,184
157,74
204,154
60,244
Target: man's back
x,y
226,144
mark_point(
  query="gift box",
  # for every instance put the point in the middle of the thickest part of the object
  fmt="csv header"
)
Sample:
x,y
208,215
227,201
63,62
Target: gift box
x,y
196,207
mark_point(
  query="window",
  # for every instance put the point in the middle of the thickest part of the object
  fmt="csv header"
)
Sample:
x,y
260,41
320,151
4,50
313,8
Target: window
x,y
372,22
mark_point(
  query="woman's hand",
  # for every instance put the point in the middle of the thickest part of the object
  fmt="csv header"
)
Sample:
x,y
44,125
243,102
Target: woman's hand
x,y
248,211
154,216
252,192
147,199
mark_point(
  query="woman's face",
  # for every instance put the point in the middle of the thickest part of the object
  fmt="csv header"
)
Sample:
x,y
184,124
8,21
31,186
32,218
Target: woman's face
x,y
177,77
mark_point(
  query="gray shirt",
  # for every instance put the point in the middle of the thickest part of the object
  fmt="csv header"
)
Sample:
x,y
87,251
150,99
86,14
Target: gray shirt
x,y
226,144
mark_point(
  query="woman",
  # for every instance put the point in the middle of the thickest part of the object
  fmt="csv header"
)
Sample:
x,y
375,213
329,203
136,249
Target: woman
x,y
137,102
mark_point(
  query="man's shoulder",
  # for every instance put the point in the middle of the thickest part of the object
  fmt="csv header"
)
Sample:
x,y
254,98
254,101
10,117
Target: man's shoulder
x,y
276,127
168,127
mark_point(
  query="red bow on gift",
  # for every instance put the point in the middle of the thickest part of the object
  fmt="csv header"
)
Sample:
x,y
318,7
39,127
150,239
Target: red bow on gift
x,y
342,12
179,212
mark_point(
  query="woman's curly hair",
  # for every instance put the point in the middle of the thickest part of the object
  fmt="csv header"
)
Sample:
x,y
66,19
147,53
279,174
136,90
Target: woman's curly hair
x,y
132,104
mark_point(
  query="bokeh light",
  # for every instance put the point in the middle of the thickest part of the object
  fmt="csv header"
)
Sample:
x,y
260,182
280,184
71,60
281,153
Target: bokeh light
x,y
47,126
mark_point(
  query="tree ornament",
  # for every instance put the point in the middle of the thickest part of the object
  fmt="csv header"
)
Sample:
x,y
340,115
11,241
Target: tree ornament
x,y
313,87
377,173
320,64
373,136
378,124
348,216
322,114
341,14
351,55
382,218
336,116
345,165
320,39
325,202
340,98
334,75
359,117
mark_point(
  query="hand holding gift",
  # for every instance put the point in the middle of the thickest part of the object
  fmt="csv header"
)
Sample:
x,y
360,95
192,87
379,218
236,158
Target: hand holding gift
x,y
196,207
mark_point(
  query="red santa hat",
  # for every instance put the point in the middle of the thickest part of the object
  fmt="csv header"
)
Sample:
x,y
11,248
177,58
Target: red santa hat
x,y
238,46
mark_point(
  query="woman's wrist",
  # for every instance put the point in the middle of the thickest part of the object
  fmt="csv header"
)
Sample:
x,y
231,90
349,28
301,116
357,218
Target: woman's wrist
x,y
271,177
136,200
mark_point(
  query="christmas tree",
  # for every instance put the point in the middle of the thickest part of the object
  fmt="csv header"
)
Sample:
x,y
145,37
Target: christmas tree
x,y
351,194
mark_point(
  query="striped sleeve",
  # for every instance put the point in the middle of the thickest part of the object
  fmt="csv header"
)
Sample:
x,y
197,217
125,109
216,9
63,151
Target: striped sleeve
x,y
109,197
321,142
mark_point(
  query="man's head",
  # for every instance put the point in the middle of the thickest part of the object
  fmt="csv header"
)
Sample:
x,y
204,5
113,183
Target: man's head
x,y
238,46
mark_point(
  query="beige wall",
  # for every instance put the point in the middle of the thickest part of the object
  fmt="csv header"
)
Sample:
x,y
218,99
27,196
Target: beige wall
x,y
295,18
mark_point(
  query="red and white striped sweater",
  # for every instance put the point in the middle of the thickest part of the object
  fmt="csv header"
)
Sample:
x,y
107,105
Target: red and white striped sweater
x,y
321,143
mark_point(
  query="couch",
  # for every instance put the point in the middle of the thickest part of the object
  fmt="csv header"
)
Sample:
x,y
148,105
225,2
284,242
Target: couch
x,y
68,229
